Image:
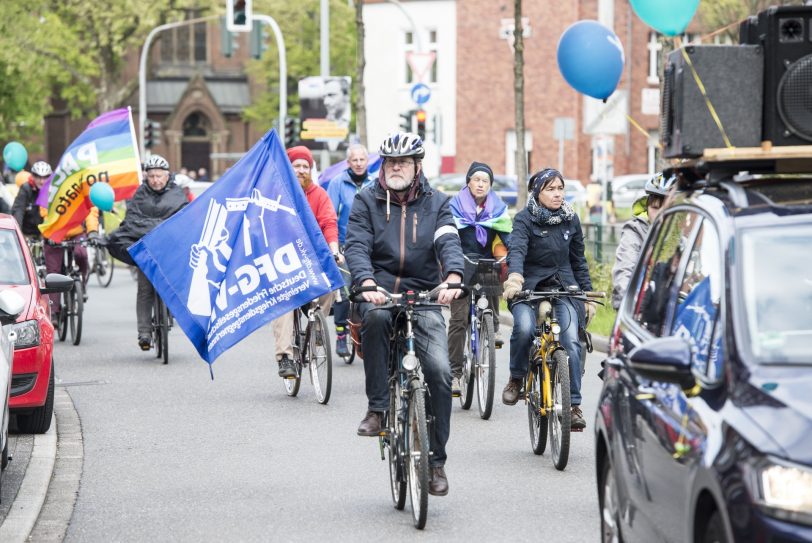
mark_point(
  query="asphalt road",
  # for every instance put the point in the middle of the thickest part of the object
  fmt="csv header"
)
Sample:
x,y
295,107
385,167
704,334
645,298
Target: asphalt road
x,y
170,454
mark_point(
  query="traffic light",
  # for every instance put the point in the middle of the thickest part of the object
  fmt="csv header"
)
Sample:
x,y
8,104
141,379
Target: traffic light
x,y
238,15
291,130
258,39
420,115
152,133
406,121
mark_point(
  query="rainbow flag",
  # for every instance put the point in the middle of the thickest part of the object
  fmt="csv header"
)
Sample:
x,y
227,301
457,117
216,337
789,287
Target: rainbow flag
x,y
106,152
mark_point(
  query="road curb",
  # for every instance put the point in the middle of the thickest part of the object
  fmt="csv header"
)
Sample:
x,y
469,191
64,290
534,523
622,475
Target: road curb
x,y
29,500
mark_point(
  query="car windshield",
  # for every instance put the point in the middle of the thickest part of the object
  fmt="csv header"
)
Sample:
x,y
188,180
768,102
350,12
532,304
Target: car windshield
x,y
12,267
777,293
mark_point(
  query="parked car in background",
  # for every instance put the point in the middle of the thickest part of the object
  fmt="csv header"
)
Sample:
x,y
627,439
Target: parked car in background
x,y
505,187
626,189
11,305
703,430
32,381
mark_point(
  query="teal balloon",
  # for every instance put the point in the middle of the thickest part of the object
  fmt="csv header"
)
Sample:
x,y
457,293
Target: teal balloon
x,y
590,57
669,17
102,196
15,156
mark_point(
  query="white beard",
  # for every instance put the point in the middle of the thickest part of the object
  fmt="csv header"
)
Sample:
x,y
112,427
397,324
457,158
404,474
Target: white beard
x,y
398,185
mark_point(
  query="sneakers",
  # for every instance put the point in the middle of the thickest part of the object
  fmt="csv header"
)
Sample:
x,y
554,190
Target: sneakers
x,y
456,387
510,395
438,485
144,342
371,425
286,369
577,421
341,344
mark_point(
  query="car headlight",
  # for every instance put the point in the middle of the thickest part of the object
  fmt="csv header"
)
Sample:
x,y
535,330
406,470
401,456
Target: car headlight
x,y
27,334
785,490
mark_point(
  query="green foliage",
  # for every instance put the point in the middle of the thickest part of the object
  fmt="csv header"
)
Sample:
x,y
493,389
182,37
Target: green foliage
x,y
721,13
299,23
601,275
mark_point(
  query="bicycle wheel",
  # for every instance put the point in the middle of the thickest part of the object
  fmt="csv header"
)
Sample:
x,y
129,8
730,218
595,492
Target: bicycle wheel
x,y
418,455
468,376
538,423
157,336
562,411
320,359
292,383
103,266
486,367
62,322
164,331
397,472
77,312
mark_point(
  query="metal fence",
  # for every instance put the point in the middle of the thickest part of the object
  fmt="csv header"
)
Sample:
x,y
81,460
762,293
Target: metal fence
x,y
601,241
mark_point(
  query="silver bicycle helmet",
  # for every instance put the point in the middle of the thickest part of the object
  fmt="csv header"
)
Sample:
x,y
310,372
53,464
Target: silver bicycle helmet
x,y
41,169
402,144
156,162
658,185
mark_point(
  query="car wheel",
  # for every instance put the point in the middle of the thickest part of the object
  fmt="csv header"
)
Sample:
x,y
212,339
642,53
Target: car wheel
x,y
39,420
610,517
715,530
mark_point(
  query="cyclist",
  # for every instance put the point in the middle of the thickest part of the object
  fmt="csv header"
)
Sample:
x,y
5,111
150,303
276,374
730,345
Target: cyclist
x,y
483,223
401,236
302,161
153,202
634,233
547,251
25,209
342,190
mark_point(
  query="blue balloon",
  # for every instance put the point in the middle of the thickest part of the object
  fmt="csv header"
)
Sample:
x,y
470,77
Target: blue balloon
x,y
669,17
15,156
590,57
102,196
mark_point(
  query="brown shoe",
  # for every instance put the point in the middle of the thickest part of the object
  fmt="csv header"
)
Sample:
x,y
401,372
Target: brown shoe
x,y
577,421
371,425
510,395
438,485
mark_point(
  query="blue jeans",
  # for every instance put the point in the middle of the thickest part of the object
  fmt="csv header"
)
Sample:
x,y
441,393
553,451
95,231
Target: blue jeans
x,y
341,311
431,347
521,341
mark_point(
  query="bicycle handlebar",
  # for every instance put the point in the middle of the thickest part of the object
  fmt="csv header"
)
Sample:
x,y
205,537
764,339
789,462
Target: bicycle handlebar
x,y
410,296
584,296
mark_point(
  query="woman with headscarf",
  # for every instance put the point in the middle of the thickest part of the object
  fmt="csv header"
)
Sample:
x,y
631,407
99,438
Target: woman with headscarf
x,y
546,252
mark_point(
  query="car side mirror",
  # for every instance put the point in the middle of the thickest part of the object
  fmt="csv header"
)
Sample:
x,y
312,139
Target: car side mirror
x,y
56,282
665,359
11,305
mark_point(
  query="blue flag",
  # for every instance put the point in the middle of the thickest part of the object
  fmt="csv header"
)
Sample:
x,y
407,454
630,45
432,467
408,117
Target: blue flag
x,y
243,253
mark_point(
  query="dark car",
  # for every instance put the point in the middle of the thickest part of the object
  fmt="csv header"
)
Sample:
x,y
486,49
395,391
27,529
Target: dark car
x,y
704,423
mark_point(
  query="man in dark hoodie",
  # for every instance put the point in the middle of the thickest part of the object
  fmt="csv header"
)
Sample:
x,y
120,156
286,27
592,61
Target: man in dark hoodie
x,y
401,236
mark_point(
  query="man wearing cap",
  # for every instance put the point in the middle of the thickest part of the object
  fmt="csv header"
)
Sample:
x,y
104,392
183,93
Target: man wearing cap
x,y
302,161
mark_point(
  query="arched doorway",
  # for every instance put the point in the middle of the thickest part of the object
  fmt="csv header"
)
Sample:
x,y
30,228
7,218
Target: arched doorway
x,y
195,149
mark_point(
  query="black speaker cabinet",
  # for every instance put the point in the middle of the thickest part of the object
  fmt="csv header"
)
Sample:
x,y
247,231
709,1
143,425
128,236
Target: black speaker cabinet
x,y
732,78
785,33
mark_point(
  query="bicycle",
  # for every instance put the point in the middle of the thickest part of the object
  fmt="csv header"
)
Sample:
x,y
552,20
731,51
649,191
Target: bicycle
x,y
37,255
340,294
161,324
311,349
405,436
547,384
102,261
72,301
479,366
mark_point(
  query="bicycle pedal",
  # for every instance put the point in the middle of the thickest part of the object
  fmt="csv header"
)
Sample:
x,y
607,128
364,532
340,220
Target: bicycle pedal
x,y
456,394
291,378
576,429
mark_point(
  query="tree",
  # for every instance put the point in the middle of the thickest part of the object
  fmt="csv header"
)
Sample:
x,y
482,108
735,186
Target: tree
x,y
299,23
518,94
360,64
728,13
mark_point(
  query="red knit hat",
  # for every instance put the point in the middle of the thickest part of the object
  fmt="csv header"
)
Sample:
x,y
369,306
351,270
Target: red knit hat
x,y
300,151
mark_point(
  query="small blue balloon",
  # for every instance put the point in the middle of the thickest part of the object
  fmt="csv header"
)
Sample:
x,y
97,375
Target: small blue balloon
x,y
590,57
102,196
15,156
669,17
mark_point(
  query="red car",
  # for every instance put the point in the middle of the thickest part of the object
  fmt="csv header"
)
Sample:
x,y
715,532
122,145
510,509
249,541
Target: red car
x,y
32,383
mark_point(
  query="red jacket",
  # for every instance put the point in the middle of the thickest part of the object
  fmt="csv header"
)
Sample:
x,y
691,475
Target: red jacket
x,y
323,209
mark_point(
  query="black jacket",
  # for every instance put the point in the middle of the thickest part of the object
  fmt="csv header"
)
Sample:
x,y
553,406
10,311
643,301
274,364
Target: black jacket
x,y
148,209
26,211
539,253
415,247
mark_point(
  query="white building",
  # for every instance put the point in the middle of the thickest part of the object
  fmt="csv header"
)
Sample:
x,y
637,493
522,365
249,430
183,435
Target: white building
x,y
391,37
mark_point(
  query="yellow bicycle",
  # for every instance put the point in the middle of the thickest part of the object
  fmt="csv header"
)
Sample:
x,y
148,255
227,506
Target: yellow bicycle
x,y
547,384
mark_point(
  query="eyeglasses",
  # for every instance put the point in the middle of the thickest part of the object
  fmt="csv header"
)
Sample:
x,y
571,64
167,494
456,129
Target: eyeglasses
x,y
401,162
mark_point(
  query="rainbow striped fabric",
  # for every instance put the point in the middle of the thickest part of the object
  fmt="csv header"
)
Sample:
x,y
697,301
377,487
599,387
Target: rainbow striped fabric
x,y
106,152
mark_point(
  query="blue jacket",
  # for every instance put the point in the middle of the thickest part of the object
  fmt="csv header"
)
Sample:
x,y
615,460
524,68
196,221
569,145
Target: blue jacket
x,y
342,190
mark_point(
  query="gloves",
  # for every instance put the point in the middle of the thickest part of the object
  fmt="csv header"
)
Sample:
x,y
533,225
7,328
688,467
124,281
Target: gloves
x,y
512,286
590,311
